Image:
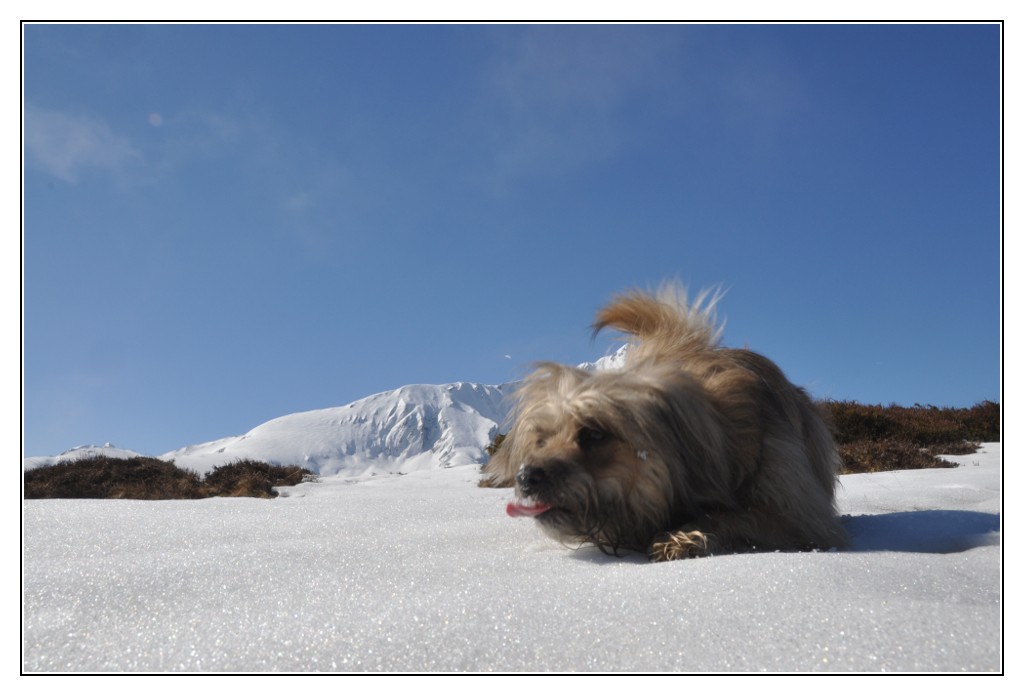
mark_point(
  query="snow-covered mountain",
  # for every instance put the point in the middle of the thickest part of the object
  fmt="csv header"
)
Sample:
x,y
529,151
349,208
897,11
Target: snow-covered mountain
x,y
81,452
415,427
608,362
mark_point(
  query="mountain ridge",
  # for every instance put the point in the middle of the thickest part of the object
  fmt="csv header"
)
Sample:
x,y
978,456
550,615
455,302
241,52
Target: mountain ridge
x,y
406,429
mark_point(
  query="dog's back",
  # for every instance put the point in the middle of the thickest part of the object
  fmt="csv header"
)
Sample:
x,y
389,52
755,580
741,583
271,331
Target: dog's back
x,y
667,327
776,429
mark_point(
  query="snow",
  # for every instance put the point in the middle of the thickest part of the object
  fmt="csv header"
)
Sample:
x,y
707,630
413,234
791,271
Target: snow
x,y
609,362
80,452
424,572
415,427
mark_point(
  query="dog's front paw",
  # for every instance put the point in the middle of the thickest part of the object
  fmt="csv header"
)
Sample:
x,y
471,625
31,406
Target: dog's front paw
x,y
672,546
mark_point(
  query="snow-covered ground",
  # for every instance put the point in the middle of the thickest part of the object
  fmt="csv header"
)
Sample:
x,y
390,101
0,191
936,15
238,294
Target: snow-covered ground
x,y
424,572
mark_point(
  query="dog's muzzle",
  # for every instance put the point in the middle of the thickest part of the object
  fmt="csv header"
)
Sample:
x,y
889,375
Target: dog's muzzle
x,y
532,481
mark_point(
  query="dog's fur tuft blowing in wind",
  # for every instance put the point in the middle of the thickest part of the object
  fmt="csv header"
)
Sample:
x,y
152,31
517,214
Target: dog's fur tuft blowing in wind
x,y
687,450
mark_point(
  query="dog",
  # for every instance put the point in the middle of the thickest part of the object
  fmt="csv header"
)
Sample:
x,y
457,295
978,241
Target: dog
x,y
689,449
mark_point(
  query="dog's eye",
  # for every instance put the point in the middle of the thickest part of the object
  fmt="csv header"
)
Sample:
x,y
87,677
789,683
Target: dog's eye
x,y
588,436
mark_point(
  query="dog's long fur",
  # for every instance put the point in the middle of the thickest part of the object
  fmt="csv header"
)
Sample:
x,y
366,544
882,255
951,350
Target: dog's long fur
x,y
688,449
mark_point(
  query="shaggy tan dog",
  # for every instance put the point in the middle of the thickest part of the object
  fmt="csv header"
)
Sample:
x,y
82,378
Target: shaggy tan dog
x,y
689,449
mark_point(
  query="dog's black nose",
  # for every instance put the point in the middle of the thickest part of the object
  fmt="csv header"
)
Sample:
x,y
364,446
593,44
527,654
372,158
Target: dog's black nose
x,y
530,478
542,478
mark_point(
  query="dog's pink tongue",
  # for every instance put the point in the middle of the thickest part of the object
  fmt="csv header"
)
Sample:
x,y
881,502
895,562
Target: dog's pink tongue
x,y
525,508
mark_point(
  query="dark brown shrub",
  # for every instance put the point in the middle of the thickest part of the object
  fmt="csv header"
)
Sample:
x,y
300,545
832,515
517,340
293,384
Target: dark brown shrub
x,y
884,438
145,478
492,448
983,422
141,478
924,425
247,477
869,456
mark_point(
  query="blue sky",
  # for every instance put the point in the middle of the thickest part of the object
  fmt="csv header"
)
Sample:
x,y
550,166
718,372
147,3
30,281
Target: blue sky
x,y
225,224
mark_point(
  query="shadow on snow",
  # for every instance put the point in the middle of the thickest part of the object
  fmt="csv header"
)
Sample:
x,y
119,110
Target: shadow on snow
x,y
923,531
918,531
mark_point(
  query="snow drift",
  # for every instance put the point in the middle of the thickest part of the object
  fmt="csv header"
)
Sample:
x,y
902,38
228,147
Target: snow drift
x,y
425,572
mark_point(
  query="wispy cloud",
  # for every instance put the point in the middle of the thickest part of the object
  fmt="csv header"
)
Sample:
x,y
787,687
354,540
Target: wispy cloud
x,y
299,202
564,93
567,97
66,145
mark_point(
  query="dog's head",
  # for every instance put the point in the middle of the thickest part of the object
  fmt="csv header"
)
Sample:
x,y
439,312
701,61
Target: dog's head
x,y
605,457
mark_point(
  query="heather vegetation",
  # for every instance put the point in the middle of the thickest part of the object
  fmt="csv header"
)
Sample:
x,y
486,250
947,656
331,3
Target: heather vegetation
x,y
146,478
888,438
870,439
885,438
